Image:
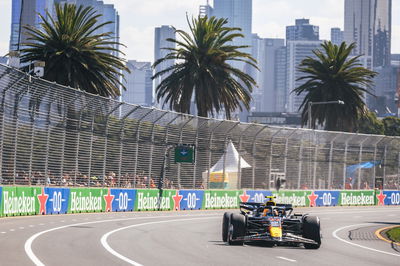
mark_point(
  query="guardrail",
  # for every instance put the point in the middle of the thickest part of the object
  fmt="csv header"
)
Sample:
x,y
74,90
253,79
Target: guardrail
x,y
17,201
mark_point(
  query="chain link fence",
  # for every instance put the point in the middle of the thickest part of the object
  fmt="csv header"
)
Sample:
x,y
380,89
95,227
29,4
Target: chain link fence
x,y
57,136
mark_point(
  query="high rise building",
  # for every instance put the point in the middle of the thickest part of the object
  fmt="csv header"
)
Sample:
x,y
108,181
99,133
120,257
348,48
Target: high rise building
x,y
25,13
161,34
271,78
336,36
302,31
108,14
138,83
238,13
368,24
296,52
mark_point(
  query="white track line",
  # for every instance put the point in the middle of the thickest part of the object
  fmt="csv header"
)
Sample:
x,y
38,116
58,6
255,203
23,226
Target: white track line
x,y
127,260
334,234
35,259
283,258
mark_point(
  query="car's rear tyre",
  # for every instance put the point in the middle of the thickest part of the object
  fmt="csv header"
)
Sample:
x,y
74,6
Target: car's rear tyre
x,y
237,229
312,230
225,226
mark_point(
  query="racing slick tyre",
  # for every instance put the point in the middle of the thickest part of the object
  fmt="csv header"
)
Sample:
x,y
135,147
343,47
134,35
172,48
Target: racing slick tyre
x,y
237,229
225,226
312,230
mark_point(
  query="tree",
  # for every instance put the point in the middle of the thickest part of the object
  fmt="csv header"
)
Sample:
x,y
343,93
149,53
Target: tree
x,y
370,124
203,70
332,76
73,53
392,126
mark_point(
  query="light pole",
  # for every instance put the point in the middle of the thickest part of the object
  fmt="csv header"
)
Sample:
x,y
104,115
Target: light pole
x,y
310,104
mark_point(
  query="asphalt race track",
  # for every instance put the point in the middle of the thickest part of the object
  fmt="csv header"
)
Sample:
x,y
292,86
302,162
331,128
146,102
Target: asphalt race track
x,y
188,238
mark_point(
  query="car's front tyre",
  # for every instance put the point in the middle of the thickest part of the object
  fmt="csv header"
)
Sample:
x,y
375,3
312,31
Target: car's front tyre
x,y
237,229
312,230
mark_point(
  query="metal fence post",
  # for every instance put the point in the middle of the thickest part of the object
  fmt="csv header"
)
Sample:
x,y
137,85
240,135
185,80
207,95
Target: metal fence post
x,y
180,142
268,178
286,150
239,184
205,120
152,147
105,140
224,155
384,167
300,165
121,147
345,161
210,152
330,162
254,155
359,162
315,160
138,139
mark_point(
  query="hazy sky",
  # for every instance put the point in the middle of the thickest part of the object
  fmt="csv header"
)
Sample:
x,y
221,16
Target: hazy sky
x,y
139,17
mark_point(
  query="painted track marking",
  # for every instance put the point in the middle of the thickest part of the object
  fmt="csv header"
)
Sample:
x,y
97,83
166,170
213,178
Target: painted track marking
x,y
29,242
127,260
283,258
334,234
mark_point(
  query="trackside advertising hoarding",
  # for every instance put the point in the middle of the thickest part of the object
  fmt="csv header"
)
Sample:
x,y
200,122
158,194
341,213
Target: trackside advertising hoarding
x,y
15,201
357,197
22,201
222,199
150,200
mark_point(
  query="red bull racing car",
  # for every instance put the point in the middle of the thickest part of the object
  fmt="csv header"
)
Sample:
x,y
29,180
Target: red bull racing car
x,y
271,223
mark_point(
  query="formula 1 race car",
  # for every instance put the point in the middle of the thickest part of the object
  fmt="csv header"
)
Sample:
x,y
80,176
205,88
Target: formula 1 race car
x,y
272,224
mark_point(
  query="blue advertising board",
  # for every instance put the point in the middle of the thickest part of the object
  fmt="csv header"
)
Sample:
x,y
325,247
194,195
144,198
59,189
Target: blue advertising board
x,y
189,199
57,200
123,199
255,195
325,198
389,197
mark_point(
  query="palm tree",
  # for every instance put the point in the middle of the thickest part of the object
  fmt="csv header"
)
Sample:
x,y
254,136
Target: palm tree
x,y
203,70
74,54
332,76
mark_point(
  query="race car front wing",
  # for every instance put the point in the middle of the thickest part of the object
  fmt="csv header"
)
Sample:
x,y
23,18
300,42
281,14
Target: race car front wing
x,y
287,238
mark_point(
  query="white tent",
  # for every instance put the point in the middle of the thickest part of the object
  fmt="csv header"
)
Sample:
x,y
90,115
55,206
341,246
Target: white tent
x,y
226,178
231,161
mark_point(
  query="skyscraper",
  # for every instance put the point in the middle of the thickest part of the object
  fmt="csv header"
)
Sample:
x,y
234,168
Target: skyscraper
x,y
238,13
302,31
138,83
336,36
296,52
271,82
25,13
161,34
108,13
368,24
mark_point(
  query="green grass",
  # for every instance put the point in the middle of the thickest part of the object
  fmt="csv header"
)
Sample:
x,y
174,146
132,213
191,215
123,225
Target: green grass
x,y
394,234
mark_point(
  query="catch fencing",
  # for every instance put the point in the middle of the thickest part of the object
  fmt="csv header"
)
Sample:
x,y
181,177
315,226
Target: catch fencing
x,y
57,136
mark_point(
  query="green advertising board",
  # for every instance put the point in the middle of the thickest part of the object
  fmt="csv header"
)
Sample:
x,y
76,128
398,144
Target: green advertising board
x,y
20,201
221,199
296,198
184,154
87,200
149,200
357,197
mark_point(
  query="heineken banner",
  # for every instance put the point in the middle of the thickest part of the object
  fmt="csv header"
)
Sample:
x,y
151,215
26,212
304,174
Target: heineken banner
x,y
357,197
324,198
89,200
56,200
298,198
255,196
222,199
188,199
388,197
122,199
150,200
21,201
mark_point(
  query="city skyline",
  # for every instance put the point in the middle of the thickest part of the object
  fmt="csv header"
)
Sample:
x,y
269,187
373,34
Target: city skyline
x,y
267,21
